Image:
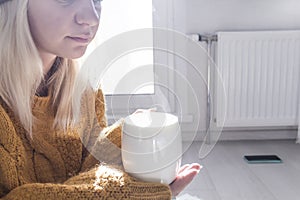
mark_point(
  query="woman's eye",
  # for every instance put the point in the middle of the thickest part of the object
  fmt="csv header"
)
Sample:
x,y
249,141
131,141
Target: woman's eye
x,y
66,2
97,2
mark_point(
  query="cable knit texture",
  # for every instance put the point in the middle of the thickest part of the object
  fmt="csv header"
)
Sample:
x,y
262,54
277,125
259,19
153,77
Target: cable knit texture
x,y
82,163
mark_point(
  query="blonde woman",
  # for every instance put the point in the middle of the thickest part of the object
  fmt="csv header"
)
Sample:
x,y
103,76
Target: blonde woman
x,y
48,149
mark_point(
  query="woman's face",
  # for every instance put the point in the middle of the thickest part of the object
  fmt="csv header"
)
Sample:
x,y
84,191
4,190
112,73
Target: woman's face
x,y
63,27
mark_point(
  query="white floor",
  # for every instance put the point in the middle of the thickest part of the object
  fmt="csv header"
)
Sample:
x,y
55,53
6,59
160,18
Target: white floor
x,y
226,176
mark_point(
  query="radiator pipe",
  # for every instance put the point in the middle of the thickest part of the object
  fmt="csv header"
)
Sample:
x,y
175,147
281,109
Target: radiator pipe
x,y
208,39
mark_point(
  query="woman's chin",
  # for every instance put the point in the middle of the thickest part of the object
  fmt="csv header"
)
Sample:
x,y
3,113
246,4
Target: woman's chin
x,y
75,54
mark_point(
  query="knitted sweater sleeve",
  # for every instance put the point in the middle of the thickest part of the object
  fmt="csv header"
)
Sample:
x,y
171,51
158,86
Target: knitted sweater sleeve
x,y
104,143
102,182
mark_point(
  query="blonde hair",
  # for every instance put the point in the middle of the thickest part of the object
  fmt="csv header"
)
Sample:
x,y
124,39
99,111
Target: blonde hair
x,y
22,70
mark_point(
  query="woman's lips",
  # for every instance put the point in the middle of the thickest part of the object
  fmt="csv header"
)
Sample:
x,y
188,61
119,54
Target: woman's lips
x,y
80,40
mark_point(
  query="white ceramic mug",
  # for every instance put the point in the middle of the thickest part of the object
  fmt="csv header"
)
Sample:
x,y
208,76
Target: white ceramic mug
x,y
152,146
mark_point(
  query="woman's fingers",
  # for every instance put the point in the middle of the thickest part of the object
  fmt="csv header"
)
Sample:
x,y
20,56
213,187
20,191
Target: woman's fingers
x,y
189,166
182,168
185,175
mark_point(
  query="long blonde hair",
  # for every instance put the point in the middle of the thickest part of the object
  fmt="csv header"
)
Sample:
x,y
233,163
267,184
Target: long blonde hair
x,y
22,71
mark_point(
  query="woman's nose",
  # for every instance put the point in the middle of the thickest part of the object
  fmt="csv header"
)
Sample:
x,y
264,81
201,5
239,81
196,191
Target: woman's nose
x,y
87,14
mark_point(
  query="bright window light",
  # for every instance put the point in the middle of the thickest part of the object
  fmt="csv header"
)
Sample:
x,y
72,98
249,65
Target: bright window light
x,y
117,17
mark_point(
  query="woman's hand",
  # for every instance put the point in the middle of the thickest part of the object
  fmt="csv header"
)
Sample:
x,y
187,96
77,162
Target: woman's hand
x,y
185,175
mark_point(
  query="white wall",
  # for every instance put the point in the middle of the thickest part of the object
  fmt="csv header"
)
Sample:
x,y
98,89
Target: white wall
x,y
211,16
215,15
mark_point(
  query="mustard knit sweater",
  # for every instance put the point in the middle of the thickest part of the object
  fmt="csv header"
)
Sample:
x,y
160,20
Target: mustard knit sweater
x,y
65,165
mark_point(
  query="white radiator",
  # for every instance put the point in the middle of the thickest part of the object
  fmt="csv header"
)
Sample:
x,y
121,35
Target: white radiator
x,y
261,76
